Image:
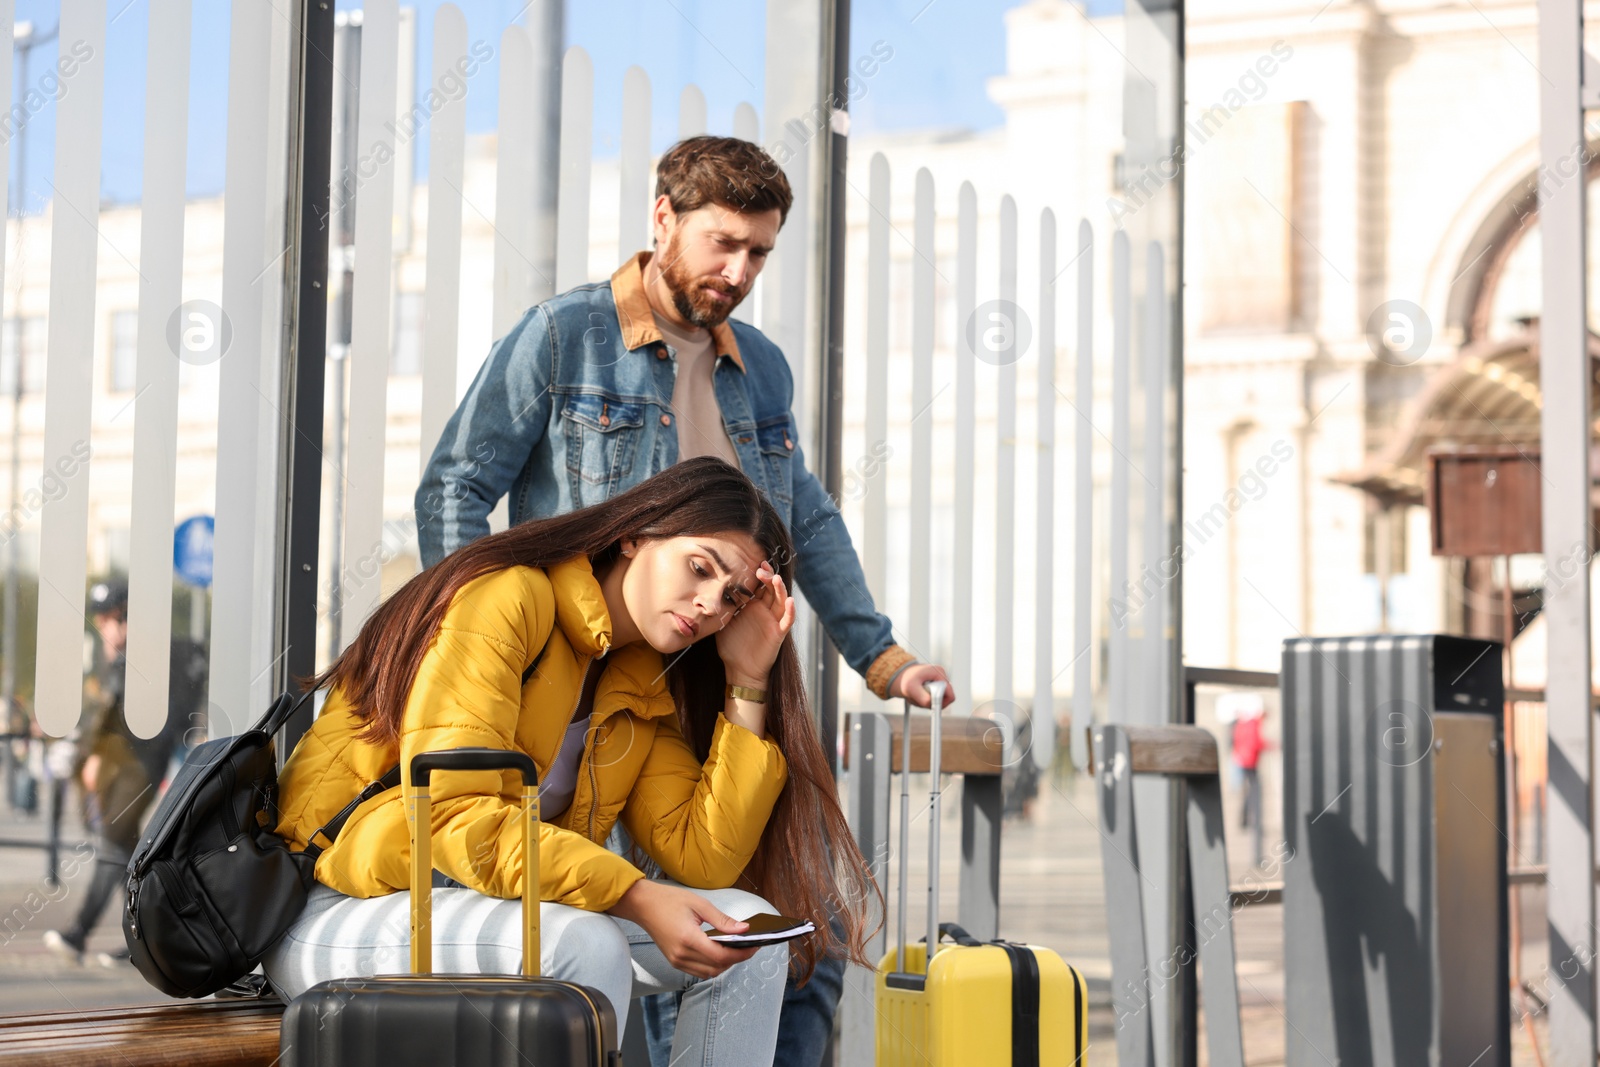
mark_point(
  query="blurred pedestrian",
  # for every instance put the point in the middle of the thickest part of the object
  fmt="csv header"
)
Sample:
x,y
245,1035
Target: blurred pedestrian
x,y
1249,741
22,787
121,773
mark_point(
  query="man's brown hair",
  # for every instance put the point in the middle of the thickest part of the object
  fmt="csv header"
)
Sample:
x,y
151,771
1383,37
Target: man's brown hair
x,y
722,170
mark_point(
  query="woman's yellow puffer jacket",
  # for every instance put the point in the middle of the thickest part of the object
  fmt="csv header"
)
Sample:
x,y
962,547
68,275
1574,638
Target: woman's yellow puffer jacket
x,y
701,823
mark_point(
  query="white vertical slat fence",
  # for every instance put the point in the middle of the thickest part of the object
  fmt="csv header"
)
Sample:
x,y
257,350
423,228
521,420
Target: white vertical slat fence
x,y
922,272
1005,323
577,136
1152,575
691,112
74,245
515,166
998,332
246,274
992,345
155,413
442,297
634,183
746,123
1083,631
371,320
1043,737
1121,441
963,518
875,501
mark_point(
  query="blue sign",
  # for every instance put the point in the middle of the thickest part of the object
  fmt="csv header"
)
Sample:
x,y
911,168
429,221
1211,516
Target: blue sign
x,y
191,550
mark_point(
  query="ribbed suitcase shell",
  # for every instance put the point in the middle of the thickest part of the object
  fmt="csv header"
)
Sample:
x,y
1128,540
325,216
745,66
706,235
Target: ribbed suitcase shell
x,y
963,1016
477,1020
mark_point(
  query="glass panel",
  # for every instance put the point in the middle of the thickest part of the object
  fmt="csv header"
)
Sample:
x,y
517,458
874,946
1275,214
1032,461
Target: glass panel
x,y
143,247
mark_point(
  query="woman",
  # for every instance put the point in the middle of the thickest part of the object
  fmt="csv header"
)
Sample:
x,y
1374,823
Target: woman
x,y
666,695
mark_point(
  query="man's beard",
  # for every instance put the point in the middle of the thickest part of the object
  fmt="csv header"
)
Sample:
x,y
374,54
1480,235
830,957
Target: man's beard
x,y
689,294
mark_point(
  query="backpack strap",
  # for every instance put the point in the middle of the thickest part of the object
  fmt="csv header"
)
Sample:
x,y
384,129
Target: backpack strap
x,y
281,711
330,829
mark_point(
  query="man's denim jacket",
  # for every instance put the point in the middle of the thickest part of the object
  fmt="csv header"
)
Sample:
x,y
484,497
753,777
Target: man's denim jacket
x,y
574,405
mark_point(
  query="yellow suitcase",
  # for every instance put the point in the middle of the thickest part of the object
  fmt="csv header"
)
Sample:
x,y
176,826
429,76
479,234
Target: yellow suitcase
x,y
977,1003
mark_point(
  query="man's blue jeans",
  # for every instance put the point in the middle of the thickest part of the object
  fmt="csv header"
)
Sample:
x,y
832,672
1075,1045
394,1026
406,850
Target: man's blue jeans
x,y
803,1028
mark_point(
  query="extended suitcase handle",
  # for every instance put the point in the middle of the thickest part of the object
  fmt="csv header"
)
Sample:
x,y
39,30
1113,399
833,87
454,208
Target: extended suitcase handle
x,y
470,759
936,692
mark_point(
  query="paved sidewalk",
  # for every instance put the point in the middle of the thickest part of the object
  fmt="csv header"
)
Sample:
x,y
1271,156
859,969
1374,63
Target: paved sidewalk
x,y
32,977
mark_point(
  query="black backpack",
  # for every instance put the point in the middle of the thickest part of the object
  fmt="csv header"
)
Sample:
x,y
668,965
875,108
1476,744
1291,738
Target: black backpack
x,y
211,888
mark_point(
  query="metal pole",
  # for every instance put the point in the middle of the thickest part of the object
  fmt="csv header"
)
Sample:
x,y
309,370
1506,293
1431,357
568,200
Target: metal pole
x,y
1188,993
905,838
936,715
52,854
344,104
830,407
1564,378
307,276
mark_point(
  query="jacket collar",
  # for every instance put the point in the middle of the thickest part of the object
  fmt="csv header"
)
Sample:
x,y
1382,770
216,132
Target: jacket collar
x,y
639,325
635,670
580,606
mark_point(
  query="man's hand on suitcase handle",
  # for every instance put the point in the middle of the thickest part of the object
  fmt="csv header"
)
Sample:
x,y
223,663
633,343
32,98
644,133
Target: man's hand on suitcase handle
x,y
672,915
912,684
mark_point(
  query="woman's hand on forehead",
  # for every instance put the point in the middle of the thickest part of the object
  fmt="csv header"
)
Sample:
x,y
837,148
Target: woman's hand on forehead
x,y
749,643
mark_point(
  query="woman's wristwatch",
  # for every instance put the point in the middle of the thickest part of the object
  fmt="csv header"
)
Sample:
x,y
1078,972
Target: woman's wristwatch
x,y
744,692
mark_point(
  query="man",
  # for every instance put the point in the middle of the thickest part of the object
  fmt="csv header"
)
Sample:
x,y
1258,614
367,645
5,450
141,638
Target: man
x,y
121,773
600,387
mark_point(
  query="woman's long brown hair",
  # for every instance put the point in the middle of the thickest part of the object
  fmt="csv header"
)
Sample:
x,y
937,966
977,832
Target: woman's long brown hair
x,y
807,864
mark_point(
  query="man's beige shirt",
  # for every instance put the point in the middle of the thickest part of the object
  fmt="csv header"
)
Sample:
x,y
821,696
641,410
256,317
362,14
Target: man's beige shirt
x,y
701,431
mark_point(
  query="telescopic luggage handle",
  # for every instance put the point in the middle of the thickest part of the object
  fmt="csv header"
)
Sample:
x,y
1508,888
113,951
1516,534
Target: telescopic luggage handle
x,y
936,691
470,759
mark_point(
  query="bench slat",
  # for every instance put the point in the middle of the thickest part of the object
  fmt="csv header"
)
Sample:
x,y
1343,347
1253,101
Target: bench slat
x,y
968,744
1171,749
224,1033
172,1009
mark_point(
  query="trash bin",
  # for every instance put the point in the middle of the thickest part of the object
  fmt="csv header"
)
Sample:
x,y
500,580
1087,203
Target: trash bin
x,y
1394,898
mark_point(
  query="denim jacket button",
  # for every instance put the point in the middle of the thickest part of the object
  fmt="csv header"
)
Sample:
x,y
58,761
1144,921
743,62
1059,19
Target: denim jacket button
x,y
661,351
788,444
666,420
605,420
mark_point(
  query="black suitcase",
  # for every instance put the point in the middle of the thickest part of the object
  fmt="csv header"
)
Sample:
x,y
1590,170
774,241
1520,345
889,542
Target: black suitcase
x,y
435,1019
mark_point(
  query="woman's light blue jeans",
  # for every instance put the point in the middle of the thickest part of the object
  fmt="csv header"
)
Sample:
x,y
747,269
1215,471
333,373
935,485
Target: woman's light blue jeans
x,y
727,1021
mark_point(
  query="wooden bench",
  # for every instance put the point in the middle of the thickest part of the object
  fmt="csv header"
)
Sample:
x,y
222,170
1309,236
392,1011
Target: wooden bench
x,y
202,1033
